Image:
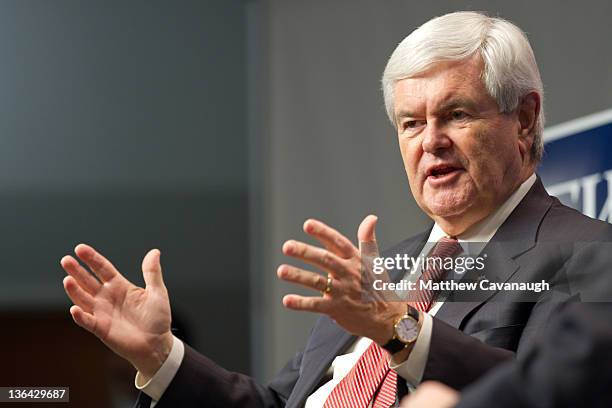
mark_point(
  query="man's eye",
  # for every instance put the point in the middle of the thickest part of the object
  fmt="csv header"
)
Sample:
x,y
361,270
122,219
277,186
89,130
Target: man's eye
x,y
458,115
412,124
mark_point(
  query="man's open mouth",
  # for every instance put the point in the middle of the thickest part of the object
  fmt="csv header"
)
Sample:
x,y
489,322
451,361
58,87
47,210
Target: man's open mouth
x,y
441,171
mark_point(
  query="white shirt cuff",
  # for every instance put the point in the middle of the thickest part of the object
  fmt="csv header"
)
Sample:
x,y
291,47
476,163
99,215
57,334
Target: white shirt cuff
x,y
158,384
412,369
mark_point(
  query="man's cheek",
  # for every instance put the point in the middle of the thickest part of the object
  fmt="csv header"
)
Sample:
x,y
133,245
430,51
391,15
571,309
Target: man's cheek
x,y
415,187
411,167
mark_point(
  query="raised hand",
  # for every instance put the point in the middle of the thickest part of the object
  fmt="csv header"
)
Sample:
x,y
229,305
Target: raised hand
x,y
132,321
341,260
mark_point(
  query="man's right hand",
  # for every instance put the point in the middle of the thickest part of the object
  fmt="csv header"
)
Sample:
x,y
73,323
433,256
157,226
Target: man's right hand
x,y
132,321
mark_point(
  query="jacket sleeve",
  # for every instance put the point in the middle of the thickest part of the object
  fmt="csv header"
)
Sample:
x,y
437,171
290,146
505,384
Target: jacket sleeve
x,y
200,382
457,359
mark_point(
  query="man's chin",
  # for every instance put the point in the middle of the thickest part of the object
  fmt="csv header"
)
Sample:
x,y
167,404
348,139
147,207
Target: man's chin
x,y
448,209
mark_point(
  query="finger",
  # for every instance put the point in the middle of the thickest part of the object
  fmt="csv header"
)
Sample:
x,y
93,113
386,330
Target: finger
x,y
104,270
85,279
306,303
366,231
152,270
366,234
78,296
83,319
330,238
318,257
308,279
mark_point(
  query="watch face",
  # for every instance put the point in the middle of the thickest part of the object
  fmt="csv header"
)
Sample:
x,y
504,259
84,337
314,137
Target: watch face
x,y
407,330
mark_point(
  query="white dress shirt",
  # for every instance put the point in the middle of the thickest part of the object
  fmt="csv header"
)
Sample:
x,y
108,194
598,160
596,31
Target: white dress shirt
x,y
411,370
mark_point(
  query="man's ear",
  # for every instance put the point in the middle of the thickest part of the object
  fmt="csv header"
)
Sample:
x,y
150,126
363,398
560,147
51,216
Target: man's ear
x,y
528,112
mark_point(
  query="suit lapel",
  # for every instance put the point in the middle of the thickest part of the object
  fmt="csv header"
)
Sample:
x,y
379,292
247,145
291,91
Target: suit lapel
x,y
330,341
499,268
412,248
516,236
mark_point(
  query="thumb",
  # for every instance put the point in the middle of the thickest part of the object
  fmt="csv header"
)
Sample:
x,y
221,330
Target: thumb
x,y
152,270
366,234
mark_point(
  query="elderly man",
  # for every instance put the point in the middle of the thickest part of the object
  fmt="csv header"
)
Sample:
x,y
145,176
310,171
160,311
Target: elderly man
x,y
465,95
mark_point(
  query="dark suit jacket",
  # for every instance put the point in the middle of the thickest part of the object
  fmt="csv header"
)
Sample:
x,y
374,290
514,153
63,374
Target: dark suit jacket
x,y
536,242
570,367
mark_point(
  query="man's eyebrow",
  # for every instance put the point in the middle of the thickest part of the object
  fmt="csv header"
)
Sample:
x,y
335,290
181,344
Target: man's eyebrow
x,y
405,114
444,107
455,103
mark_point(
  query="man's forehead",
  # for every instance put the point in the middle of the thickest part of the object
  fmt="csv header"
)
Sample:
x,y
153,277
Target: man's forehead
x,y
444,83
418,95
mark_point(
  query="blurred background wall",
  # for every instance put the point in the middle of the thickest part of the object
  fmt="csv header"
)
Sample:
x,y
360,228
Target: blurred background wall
x,y
123,125
212,130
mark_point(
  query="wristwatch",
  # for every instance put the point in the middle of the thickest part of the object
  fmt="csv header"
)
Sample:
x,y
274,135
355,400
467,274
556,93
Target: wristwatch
x,y
405,331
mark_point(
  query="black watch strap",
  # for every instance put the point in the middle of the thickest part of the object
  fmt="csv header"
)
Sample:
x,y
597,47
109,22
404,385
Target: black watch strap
x,y
395,345
412,312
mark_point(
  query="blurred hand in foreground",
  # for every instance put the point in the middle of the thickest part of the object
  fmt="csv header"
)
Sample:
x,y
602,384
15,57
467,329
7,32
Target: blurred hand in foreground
x,y
431,394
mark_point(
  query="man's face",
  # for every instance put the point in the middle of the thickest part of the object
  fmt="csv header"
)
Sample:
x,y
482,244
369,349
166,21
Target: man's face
x,y
463,158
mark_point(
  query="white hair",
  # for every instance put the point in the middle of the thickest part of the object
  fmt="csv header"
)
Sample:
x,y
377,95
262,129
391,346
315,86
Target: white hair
x,y
510,71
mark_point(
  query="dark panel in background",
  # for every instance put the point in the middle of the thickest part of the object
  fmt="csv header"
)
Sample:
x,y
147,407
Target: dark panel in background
x,y
122,124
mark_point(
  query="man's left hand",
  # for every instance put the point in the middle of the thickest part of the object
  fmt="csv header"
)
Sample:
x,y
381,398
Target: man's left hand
x,y
341,260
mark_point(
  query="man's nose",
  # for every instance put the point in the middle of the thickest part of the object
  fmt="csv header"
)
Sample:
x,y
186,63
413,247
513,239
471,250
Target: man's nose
x,y
435,138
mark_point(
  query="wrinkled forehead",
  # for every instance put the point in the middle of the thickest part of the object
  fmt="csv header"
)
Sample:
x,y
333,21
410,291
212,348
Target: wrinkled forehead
x,y
442,83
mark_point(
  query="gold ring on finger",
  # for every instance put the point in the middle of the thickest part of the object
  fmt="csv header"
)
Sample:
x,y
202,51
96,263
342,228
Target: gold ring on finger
x,y
328,286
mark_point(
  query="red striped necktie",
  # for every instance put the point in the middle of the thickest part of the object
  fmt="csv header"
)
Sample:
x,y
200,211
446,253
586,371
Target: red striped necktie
x,y
445,248
372,373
